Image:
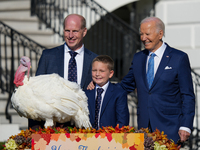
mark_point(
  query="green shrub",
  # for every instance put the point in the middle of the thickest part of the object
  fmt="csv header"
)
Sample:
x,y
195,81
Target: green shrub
x,y
1,145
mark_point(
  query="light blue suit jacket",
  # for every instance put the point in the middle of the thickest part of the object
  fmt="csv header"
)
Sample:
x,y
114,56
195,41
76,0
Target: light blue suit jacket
x,y
170,102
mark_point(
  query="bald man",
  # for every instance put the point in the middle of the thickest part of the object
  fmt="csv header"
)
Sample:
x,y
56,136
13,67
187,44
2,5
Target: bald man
x,y
56,60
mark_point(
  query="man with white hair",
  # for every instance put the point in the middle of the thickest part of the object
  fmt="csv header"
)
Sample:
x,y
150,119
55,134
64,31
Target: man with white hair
x,y
162,76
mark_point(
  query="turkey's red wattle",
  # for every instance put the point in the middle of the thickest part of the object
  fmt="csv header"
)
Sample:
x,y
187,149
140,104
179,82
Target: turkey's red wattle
x,y
19,77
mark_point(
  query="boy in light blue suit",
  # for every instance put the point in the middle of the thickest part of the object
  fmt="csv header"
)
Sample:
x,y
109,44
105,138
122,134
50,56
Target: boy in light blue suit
x,y
110,107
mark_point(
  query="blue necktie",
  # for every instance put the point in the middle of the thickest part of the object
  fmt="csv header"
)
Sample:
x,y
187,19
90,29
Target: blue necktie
x,y
97,107
150,71
72,69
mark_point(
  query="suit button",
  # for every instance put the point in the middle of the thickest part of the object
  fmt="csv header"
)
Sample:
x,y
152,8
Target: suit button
x,y
149,93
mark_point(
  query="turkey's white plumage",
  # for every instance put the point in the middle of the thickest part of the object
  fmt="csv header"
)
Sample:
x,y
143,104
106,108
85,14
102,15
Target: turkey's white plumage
x,y
51,98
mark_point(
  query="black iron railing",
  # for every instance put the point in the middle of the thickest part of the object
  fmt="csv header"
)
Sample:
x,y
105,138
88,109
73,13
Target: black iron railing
x,y
107,34
194,141
14,45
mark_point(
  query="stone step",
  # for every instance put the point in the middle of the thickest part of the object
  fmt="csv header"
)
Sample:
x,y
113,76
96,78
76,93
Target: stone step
x,y
44,43
16,119
7,130
18,50
27,24
3,97
23,25
21,14
43,37
21,123
7,5
3,105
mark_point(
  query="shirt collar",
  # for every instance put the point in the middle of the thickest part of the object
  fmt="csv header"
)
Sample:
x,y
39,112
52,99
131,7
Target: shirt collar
x,y
104,87
79,51
159,52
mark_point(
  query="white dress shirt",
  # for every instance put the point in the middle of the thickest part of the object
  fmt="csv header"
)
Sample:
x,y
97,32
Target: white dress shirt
x,y
159,53
102,97
79,62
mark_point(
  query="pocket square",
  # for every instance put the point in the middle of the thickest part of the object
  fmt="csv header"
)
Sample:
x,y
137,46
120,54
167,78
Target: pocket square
x,y
167,67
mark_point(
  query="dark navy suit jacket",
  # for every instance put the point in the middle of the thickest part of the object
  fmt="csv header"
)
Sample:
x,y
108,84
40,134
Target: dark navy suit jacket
x,y
170,102
52,61
114,108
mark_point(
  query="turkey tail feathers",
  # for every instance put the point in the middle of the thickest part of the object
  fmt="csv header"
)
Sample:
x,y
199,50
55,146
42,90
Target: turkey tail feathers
x,y
82,120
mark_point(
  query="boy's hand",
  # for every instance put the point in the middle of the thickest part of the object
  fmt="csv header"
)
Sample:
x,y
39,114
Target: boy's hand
x,y
184,135
91,86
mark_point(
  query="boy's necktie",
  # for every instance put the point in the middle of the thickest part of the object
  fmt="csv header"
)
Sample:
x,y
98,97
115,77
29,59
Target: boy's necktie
x,y
97,106
150,71
72,68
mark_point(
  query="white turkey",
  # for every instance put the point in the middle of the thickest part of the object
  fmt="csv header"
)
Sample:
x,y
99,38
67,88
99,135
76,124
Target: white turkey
x,y
49,97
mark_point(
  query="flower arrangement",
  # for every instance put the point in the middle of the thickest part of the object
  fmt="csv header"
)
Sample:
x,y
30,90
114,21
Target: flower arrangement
x,y
153,141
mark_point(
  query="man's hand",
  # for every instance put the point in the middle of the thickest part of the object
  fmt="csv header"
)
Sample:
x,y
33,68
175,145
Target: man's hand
x,y
91,86
184,135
